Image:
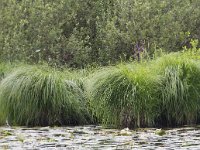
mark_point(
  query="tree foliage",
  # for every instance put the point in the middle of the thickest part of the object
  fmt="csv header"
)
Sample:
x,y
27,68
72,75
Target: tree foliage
x,y
77,33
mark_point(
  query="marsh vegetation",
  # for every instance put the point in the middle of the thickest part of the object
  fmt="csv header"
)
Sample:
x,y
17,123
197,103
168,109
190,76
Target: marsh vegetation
x,y
115,63
157,92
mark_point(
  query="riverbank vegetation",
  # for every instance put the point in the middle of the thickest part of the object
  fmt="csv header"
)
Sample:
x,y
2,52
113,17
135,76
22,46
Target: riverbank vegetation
x,y
163,91
118,63
39,95
159,92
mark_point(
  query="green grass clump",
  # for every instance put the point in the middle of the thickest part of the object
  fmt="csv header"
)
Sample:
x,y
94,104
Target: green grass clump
x,y
41,96
178,90
4,69
122,96
160,92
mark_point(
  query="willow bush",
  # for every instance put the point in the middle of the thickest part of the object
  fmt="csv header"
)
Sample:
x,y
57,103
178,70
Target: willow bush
x,y
41,96
78,33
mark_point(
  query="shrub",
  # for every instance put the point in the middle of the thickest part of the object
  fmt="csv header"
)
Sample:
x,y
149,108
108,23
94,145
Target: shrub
x,y
78,33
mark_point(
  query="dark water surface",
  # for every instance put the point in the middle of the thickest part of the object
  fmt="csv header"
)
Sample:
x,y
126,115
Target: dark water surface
x,y
97,138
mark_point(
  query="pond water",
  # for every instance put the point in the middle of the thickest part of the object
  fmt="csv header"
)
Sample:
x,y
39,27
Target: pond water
x,y
95,137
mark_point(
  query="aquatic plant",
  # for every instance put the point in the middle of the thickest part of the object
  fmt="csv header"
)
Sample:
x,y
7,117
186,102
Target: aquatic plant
x,y
160,132
178,90
163,91
160,92
122,96
41,96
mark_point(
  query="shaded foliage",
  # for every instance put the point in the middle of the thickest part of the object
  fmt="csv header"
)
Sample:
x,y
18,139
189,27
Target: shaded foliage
x,y
77,33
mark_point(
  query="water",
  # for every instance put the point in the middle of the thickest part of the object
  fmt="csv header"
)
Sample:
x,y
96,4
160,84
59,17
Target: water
x,y
97,138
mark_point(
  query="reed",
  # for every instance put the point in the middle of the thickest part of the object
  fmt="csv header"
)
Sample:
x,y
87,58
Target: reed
x,y
41,96
122,96
163,91
178,89
159,92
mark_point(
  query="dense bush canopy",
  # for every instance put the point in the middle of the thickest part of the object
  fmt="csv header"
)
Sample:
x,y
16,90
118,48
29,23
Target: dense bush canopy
x,y
78,33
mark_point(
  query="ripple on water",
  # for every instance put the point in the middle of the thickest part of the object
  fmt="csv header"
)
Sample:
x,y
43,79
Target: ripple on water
x,y
95,137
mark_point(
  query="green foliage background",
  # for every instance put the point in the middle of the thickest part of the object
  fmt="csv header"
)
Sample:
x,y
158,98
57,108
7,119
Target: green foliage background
x,y
77,33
